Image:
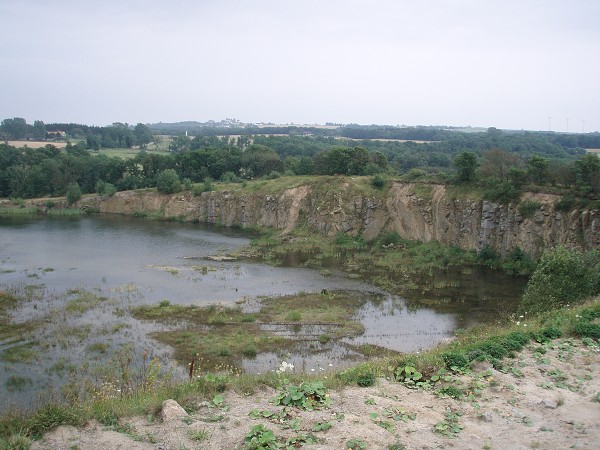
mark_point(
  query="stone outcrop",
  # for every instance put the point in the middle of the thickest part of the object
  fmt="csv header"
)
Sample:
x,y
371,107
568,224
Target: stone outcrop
x,y
462,222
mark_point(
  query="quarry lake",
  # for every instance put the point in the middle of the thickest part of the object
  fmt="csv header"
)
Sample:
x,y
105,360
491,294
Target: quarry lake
x,y
77,282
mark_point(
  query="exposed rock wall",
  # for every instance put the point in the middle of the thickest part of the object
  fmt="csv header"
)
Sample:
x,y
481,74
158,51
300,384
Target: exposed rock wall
x,y
466,223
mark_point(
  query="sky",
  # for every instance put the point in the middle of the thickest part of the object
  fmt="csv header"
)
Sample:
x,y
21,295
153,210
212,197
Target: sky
x,y
510,64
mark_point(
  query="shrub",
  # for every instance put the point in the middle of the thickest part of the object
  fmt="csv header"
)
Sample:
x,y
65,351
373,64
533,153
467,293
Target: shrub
x,y
528,208
104,188
347,241
187,184
366,379
488,257
230,177
518,262
414,174
73,193
562,277
503,193
378,182
514,341
455,359
389,238
493,349
565,203
586,329
167,182
273,175
361,375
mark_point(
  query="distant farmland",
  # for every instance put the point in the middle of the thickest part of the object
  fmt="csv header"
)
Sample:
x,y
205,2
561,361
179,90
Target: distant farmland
x,y
36,144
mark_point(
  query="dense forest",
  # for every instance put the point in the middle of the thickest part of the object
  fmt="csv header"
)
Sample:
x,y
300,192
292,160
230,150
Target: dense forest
x,y
501,162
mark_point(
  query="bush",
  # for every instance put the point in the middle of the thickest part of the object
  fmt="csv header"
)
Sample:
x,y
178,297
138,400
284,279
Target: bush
x,y
456,359
73,193
514,341
366,379
389,238
528,208
587,330
378,182
586,327
562,277
518,262
230,177
104,188
414,174
273,175
503,193
494,349
488,257
361,375
167,182
565,203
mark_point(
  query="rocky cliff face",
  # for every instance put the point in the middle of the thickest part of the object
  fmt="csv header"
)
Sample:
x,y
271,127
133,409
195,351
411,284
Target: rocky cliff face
x,y
466,223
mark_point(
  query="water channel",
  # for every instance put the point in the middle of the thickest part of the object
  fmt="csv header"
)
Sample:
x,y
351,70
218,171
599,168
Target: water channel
x,y
124,262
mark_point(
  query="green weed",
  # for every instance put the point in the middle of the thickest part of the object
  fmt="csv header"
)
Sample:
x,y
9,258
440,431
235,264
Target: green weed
x,y
356,444
307,396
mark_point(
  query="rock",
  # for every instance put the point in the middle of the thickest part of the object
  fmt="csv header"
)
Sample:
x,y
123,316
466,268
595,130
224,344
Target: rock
x,y
486,416
517,413
171,411
462,223
550,404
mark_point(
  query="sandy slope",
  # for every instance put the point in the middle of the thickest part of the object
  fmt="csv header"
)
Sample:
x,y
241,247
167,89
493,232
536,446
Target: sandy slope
x,y
547,401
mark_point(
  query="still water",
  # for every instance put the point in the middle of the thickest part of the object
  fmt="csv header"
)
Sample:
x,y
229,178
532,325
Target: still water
x,y
126,262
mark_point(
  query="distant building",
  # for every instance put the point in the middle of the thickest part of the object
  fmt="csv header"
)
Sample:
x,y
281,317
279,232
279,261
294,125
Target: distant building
x,y
56,134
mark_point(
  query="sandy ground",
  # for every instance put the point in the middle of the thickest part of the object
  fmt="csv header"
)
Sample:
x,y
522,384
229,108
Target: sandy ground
x,y
546,401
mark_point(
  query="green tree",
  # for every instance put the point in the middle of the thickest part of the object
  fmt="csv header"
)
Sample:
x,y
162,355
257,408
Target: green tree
x,y
340,160
562,277
168,182
588,170
15,128
466,164
143,135
498,163
259,160
537,168
39,130
73,193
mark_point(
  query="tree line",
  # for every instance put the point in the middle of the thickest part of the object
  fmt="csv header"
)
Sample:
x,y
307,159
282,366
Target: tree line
x,y
49,171
117,135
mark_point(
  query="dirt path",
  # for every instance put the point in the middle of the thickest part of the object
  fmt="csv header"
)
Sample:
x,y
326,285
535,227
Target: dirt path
x,y
548,398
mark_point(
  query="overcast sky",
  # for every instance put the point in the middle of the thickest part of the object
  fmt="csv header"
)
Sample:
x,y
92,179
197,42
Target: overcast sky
x,y
503,63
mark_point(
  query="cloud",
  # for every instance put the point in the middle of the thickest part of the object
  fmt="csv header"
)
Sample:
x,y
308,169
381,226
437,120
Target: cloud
x,y
504,64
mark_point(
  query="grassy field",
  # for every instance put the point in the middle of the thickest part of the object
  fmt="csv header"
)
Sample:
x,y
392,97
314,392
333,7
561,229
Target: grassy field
x,y
126,153
36,144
